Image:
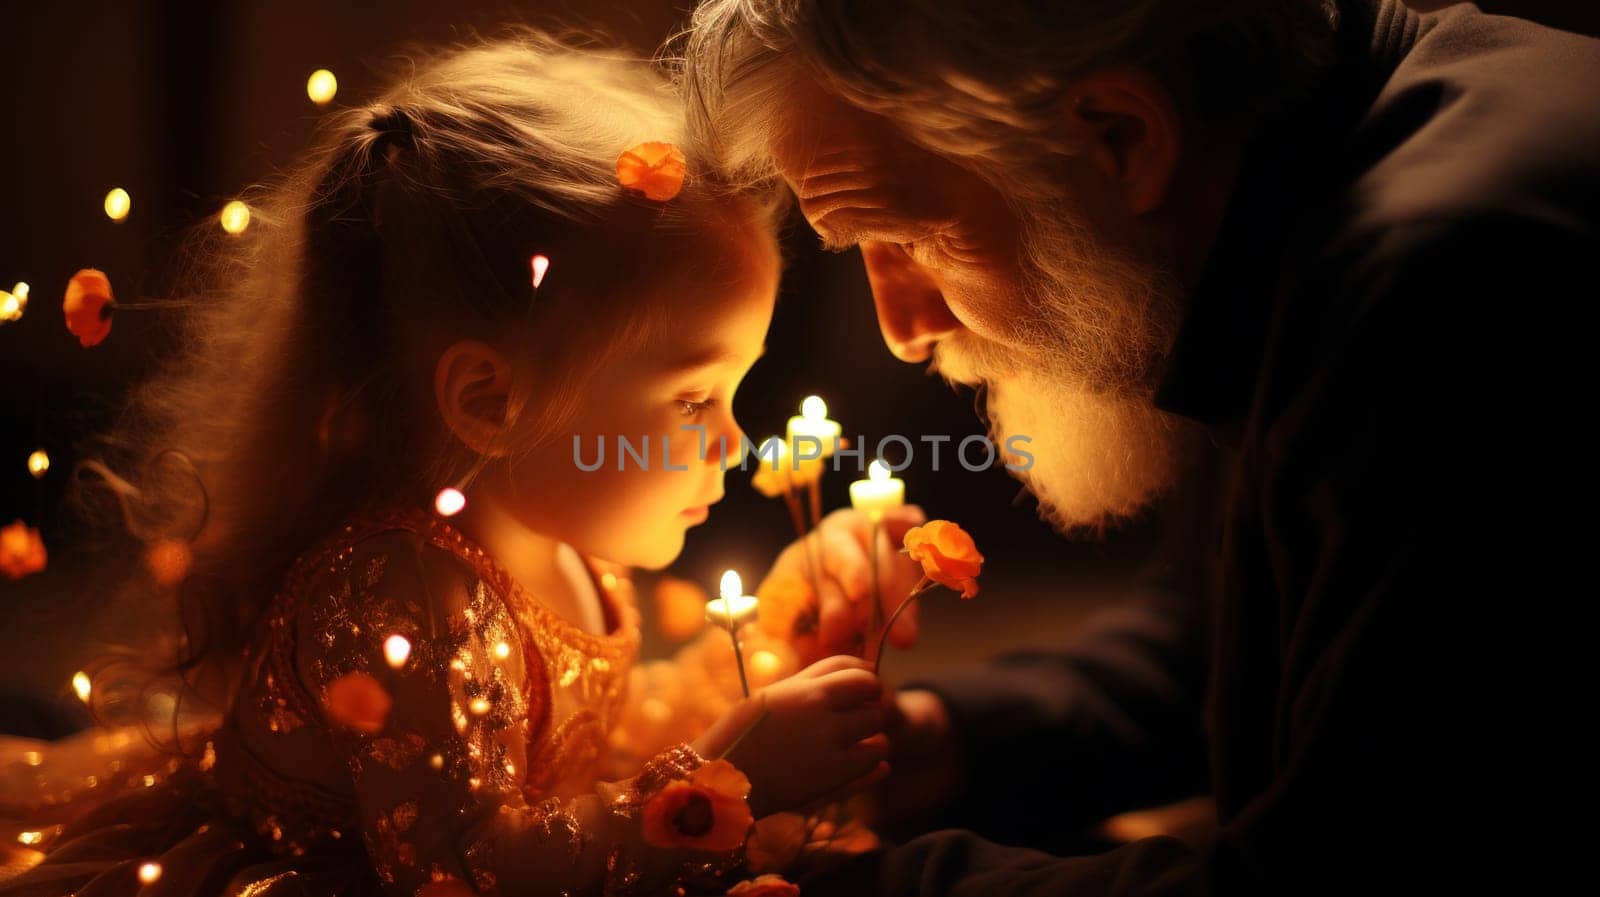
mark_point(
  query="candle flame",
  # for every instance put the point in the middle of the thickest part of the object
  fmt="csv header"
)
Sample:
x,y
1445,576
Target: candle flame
x,y
813,408
20,291
80,684
878,471
732,586
149,872
541,264
38,463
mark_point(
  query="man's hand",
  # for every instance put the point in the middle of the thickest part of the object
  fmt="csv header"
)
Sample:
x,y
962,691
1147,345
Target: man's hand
x,y
925,756
838,620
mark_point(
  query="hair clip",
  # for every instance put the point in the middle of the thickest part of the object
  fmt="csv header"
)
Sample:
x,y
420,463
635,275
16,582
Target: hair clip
x,y
655,169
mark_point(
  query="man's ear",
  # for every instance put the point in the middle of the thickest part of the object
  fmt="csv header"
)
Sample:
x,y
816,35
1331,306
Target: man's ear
x,y
472,384
1129,124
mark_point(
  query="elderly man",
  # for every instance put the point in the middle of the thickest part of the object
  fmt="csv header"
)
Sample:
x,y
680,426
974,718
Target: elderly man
x,y
1337,240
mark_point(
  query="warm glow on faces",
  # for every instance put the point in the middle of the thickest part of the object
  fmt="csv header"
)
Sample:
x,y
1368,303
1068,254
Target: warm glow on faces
x,y
1051,303
940,245
713,330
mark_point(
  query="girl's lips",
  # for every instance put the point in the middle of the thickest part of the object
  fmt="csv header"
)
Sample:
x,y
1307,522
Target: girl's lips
x,y
697,514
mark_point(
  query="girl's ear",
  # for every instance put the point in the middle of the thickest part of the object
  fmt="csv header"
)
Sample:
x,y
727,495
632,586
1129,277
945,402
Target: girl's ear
x,y
472,385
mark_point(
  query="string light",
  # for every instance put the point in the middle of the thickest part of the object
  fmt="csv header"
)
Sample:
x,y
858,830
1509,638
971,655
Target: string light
x,y
38,463
396,649
322,86
449,501
14,303
235,217
118,204
80,684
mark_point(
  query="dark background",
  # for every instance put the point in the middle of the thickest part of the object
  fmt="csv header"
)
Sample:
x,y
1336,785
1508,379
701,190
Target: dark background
x,y
185,104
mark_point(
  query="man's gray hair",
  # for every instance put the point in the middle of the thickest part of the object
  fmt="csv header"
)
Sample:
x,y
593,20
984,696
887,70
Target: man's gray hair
x,y
983,80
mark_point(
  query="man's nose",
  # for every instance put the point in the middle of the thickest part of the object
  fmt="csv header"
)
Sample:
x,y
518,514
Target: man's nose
x,y
911,310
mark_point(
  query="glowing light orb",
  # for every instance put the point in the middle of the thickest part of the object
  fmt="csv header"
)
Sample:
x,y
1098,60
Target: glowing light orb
x,y
322,86
479,706
235,217
80,684
38,463
149,872
118,204
502,650
540,264
449,501
30,837
396,650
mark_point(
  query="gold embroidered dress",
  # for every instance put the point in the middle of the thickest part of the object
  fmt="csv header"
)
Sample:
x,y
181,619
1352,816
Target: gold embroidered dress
x,y
412,722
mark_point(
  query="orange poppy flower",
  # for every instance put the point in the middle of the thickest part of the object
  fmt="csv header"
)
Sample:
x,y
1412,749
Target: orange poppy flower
x,y
708,811
680,607
168,561
947,554
765,886
88,305
357,701
655,169
21,550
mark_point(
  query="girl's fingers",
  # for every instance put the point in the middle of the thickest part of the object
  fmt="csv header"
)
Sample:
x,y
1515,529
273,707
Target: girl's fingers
x,y
845,558
847,689
832,665
856,725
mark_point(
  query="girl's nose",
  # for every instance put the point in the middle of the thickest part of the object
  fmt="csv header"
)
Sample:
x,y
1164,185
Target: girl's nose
x,y
911,309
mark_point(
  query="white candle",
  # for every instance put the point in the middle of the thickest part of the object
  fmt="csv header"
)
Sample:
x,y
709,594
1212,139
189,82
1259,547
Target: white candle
x,y
813,421
733,609
879,492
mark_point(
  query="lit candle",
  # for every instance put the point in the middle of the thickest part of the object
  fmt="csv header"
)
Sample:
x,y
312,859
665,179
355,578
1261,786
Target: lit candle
x,y
813,421
733,610
879,492
539,264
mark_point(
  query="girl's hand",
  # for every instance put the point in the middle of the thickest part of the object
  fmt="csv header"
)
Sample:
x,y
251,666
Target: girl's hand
x,y
844,609
822,736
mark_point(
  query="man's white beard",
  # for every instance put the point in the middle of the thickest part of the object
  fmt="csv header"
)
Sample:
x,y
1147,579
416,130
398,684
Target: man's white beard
x,y
1081,387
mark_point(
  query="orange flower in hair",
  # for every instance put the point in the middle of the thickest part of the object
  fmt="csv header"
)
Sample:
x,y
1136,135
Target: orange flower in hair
x,y
655,169
707,811
88,306
357,701
21,550
947,554
765,886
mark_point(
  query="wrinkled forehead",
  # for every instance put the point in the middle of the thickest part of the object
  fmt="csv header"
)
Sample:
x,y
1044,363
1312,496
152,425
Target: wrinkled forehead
x,y
817,134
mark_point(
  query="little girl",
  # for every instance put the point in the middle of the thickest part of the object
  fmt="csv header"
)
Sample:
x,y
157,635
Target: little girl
x,y
454,289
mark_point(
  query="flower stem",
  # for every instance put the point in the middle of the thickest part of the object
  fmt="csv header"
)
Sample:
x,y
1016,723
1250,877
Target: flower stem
x,y
924,585
877,597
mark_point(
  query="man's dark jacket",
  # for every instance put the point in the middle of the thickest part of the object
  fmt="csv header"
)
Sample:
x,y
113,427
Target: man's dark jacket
x,y
1387,339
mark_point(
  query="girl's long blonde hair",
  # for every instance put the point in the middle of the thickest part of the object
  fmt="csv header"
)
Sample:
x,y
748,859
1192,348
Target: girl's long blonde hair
x,y
303,393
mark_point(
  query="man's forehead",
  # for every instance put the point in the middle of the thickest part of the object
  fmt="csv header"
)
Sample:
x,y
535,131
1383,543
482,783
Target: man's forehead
x,y
823,134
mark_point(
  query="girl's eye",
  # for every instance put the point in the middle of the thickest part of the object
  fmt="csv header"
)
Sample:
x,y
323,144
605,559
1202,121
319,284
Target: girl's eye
x,y
690,408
